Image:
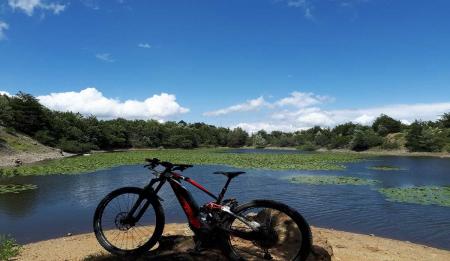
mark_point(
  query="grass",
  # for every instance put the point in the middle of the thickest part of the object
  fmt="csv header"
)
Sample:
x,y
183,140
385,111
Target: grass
x,y
21,143
13,188
330,180
96,161
8,248
385,168
424,195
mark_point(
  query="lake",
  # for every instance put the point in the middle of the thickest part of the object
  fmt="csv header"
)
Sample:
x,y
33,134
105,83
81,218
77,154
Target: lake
x,y
65,203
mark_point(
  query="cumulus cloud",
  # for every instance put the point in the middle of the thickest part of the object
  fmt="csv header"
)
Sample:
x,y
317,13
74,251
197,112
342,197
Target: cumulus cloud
x,y
106,57
144,45
3,27
303,110
303,118
5,93
295,99
29,6
90,101
250,105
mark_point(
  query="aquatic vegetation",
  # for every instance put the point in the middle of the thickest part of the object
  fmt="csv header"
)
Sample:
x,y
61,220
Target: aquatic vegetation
x,y
16,188
425,195
8,248
385,167
96,161
330,180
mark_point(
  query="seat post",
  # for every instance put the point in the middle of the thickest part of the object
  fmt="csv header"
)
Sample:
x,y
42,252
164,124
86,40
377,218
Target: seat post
x,y
224,189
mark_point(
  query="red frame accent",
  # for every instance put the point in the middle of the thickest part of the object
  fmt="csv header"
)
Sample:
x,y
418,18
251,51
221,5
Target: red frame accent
x,y
188,207
188,204
197,185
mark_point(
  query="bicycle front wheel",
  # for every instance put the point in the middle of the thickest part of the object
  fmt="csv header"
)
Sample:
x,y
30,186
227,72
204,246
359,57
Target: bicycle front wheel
x,y
283,234
124,238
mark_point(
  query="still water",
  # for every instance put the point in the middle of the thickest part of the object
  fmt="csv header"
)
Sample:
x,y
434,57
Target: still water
x,y
65,203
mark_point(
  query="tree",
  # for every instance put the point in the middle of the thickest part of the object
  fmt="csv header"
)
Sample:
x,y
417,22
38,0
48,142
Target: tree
x,y
29,115
237,138
364,138
384,125
6,111
422,137
445,120
346,129
259,141
414,136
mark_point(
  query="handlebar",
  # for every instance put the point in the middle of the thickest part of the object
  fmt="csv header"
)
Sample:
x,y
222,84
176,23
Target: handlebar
x,y
153,163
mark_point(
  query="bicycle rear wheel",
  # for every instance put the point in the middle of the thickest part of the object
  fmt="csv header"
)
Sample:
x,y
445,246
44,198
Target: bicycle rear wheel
x,y
121,237
283,234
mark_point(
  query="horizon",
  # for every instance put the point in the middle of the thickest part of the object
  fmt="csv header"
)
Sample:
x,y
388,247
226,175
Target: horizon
x,y
272,65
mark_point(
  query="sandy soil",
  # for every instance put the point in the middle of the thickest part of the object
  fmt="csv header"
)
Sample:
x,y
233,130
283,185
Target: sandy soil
x,y
328,245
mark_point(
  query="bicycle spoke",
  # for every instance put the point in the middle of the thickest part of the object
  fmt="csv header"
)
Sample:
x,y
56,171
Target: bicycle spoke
x,y
281,247
115,228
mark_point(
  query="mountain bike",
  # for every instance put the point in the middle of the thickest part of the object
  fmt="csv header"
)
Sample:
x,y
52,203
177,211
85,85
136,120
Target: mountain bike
x,y
129,221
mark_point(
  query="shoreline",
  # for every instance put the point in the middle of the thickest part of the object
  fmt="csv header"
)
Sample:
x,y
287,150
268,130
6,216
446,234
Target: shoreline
x,y
7,160
395,153
329,244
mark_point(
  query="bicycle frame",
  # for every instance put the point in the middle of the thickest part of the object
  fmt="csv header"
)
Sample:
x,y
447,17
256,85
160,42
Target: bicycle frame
x,y
187,202
189,205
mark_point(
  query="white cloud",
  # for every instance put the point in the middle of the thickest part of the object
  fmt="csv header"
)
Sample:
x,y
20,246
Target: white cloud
x,y
3,27
304,5
303,118
249,105
5,93
303,99
29,6
257,126
92,102
106,57
301,110
144,45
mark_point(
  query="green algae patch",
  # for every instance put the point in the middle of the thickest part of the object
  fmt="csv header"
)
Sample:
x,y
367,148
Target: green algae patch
x,y
385,168
425,195
97,161
16,188
330,180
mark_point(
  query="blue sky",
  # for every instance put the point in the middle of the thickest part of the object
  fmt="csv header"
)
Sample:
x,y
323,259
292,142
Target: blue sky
x,y
273,64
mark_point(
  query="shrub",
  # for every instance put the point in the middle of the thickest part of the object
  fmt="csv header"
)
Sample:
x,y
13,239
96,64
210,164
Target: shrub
x,y
307,147
364,139
446,148
8,248
75,146
390,145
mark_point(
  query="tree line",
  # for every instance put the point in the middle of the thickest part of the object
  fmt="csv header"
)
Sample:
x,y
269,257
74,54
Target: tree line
x,y
73,132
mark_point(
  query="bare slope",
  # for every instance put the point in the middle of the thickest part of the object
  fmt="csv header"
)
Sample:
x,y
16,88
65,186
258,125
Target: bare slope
x,y
16,146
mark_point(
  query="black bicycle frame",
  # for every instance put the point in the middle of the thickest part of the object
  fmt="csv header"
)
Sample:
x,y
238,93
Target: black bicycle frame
x,y
188,203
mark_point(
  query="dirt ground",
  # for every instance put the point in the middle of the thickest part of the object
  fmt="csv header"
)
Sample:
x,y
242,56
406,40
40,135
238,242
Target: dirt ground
x,y
328,245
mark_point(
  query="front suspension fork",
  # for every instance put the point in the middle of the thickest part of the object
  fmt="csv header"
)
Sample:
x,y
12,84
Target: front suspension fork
x,y
148,192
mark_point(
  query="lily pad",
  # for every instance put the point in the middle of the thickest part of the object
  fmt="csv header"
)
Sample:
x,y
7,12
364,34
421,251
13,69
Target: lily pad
x,y
331,180
385,167
16,188
424,195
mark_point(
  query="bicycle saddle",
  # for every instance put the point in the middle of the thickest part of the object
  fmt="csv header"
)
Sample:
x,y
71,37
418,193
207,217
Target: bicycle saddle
x,y
230,174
